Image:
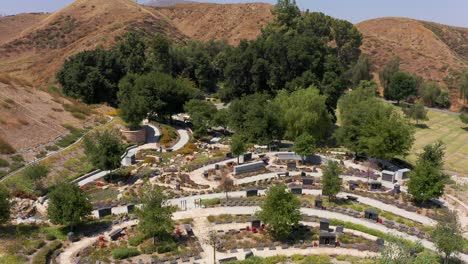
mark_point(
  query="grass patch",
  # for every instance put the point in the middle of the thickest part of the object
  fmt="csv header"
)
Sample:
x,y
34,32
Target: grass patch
x,y
75,134
78,110
210,202
450,130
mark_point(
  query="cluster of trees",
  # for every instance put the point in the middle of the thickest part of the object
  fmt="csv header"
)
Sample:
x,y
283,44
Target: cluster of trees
x,y
399,85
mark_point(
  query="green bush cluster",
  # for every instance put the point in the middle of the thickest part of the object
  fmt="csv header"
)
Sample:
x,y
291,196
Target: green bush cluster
x,y
4,163
123,253
166,247
211,202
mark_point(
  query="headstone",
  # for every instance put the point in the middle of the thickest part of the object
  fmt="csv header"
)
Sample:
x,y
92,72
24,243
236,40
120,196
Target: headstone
x,y
327,238
249,255
177,186
291,165
296,190
103,212
251,192
307,181
318,203
375,185
229,155
324,225
256,223
303,174
205,173
339,229
396,188
130,208
71,237
371,214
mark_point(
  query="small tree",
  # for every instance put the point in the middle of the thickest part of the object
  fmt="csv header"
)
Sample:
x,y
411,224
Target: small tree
x,y
401,86
399,251
238,146
4,205
104,149
68,205
227,184
304,145
385,75
281,211
447,235
202,114
214,241
434,154
331,182
155,215
35,172
416,112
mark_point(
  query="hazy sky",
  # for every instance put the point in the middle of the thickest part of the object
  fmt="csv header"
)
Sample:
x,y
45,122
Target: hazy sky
x,y
451,12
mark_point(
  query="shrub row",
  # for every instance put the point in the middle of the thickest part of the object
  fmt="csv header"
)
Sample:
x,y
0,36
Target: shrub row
x,y
123,253
43,255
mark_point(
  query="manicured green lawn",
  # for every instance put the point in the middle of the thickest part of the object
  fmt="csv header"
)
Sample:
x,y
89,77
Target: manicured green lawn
x,y
450,130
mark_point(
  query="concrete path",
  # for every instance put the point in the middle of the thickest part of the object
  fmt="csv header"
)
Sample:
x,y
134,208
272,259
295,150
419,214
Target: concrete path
x,y
95,177
69,253
184,138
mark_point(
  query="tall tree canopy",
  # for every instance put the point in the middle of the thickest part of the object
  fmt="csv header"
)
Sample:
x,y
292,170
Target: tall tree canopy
x,y
68,205
448,235
202,114
280,211
371,126
331,182
133,107
255,118
91,76
293,52
155,214
304,112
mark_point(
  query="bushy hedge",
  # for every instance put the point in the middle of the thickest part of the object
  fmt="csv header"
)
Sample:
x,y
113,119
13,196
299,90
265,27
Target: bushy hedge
x,y
166,247
210,202
44,254
123,253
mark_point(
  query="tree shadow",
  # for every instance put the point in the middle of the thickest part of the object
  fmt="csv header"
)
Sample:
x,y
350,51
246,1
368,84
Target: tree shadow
x,y
421,126
10,231
465,128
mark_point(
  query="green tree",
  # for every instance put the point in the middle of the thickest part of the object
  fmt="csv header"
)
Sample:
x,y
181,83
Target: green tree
x,y
434,154
416,112
304,145
331,182
255,118
68,205
104,149
227,184
4,205
164,94
401,86
426,181
161,58
202,114
131,52
91,76
448,235
368,125
132,102
238,146
286,13
361,71
155,214
280,211
304,112
433,96
387,72
221,118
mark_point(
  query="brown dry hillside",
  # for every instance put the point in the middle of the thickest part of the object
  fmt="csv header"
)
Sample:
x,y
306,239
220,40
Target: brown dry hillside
x,y
230,22
38,53
428,49
12,26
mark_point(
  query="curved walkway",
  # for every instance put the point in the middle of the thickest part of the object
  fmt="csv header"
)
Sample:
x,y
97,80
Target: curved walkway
x,y
184,138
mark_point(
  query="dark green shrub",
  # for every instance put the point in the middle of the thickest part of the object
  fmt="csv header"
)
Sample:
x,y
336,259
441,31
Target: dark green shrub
x,y
50,237
123,253
136,240
166,247
35,172
52,148
4,163
17,158
43,255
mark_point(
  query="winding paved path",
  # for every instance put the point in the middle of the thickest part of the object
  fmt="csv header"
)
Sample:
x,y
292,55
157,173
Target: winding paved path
x,y
184,138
